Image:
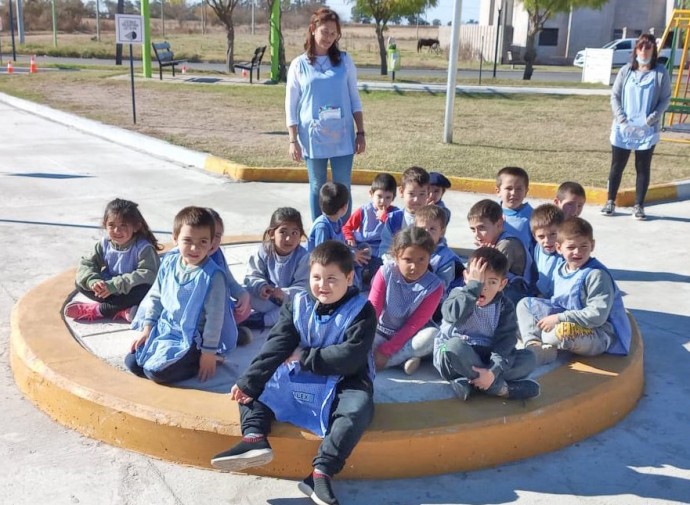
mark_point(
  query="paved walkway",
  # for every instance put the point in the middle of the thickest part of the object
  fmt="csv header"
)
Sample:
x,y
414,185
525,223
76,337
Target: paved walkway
x,y
54,182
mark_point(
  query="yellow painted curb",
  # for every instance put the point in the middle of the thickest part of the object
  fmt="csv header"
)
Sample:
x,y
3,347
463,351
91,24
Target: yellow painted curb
x,y
81,391
243,173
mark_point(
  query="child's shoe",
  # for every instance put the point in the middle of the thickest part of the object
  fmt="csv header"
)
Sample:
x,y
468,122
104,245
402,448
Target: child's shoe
x,y
82,311
126,314
317,486
461,387
544,353
255,321
566,331
412,365
244,336
251,451
522,389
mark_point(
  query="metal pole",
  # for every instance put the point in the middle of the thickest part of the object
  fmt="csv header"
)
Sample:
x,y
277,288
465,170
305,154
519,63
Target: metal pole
x,y
567,38
146,42
14,48
162,18
131,74
481,60
498,31
452,73
253,3
53,10
20,21
98,20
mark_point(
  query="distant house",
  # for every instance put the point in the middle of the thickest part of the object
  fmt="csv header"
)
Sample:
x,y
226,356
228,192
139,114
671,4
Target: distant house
x,y
567,33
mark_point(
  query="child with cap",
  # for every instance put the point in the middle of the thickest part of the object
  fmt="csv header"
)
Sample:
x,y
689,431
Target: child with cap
x,y
438,184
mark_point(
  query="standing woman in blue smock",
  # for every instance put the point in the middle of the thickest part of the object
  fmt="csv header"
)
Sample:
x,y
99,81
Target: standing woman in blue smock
x,y
640,96
323,109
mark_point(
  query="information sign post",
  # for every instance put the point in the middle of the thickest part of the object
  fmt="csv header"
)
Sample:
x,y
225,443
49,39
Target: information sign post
x,y
129,29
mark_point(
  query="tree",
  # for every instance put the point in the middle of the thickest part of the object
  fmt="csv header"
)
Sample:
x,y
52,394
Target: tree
x,y
382,11
538,13
223,9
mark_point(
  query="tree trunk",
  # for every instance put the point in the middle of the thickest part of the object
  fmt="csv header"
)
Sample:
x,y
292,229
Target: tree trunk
x,y
530,56
382,47
230,53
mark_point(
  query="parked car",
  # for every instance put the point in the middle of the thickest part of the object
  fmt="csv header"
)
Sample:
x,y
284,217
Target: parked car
x,y
622,53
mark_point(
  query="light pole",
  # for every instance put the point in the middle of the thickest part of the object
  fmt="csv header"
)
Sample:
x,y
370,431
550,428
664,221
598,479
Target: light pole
x,y
498,31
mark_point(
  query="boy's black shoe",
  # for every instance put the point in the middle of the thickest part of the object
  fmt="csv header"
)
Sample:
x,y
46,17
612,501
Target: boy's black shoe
x,y
249,452
522,389
317,486
244,336
461,387
255,321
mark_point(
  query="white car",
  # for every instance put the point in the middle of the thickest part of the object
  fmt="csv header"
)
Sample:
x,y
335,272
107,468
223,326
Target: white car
x,y
622,53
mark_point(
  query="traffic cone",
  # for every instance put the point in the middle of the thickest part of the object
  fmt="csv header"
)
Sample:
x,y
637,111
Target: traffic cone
x,y
32,65
184,69
244,73
10,68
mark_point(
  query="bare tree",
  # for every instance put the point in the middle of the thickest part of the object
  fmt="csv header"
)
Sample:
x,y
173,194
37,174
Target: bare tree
x,y
223,9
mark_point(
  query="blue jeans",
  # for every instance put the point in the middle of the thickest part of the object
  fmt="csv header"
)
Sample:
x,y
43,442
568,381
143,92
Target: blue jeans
x,y
341,169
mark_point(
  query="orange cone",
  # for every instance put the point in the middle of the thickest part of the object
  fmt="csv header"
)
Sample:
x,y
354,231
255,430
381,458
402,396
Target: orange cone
x,y
184,69
244,73
10,68
32,65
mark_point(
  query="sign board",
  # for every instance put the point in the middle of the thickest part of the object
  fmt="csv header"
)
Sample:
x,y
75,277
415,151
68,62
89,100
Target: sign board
x,y
129,29
597,67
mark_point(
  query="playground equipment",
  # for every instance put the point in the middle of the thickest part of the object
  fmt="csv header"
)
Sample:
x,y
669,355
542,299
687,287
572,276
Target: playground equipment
x,y
676,118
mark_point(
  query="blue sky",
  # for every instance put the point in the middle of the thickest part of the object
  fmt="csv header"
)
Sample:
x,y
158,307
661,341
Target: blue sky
x,y
444,11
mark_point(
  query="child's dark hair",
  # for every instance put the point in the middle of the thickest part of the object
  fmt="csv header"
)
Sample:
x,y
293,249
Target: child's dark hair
x,y
486,209
415,174
574,227
431,213
216,217
279,217
196,217
410,237
571,188
129,213
333,252
333,196
544,216
496,261
515,172
384,182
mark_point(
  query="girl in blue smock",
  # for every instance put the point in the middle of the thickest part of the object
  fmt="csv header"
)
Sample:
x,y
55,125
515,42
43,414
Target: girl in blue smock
x,y
322,107
640,96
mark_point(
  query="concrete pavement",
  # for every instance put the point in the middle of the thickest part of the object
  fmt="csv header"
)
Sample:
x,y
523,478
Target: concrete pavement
x,y
54,182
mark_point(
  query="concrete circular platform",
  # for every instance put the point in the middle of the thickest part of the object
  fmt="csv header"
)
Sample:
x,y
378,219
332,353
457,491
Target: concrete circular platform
x,y
83,392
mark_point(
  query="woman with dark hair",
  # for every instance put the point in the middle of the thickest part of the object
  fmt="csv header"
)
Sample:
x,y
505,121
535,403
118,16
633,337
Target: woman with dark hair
x,y
640,96
322,107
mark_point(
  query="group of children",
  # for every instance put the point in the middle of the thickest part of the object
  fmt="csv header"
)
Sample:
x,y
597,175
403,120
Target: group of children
x,y
531,279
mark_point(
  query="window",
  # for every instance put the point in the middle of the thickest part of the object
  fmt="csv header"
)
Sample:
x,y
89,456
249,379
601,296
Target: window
x,y
626,44
548,37
618,33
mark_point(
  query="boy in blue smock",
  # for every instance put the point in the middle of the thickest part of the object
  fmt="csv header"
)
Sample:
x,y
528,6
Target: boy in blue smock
x,y
544,222
512,184
489,229
414,191
585,315
315,371
187,320
334,199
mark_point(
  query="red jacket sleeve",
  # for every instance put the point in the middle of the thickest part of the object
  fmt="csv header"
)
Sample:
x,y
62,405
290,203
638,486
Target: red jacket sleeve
x,y
352,224
377,293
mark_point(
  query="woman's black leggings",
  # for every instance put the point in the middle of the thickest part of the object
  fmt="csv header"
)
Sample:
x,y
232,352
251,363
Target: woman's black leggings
x,y
643,163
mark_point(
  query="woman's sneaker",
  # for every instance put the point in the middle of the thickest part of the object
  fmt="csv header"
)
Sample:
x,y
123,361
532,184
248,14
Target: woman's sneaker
x,y
317,486
609,208
638,213
251,451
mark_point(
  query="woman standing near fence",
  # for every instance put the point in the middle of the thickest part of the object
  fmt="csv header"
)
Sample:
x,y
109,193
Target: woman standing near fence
x,y
322,106
640,96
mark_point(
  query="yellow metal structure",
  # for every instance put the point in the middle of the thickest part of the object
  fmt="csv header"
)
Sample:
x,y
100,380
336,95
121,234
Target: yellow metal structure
x,y
677,116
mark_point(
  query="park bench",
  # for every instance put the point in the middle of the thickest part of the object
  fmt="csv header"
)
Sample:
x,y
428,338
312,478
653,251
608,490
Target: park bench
x,y
165,57
254,63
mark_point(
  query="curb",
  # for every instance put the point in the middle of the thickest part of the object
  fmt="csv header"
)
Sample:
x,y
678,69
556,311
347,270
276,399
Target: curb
x,y
83,392
679,190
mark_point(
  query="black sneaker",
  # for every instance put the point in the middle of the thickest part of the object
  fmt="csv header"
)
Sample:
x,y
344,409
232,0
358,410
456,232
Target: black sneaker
x,y
609,208
522,389
255,321
244,336
461,387
249,452
318,488
638,213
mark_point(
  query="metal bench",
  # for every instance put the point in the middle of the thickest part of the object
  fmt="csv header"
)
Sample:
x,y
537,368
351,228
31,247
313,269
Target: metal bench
x,y
165,57
254,63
